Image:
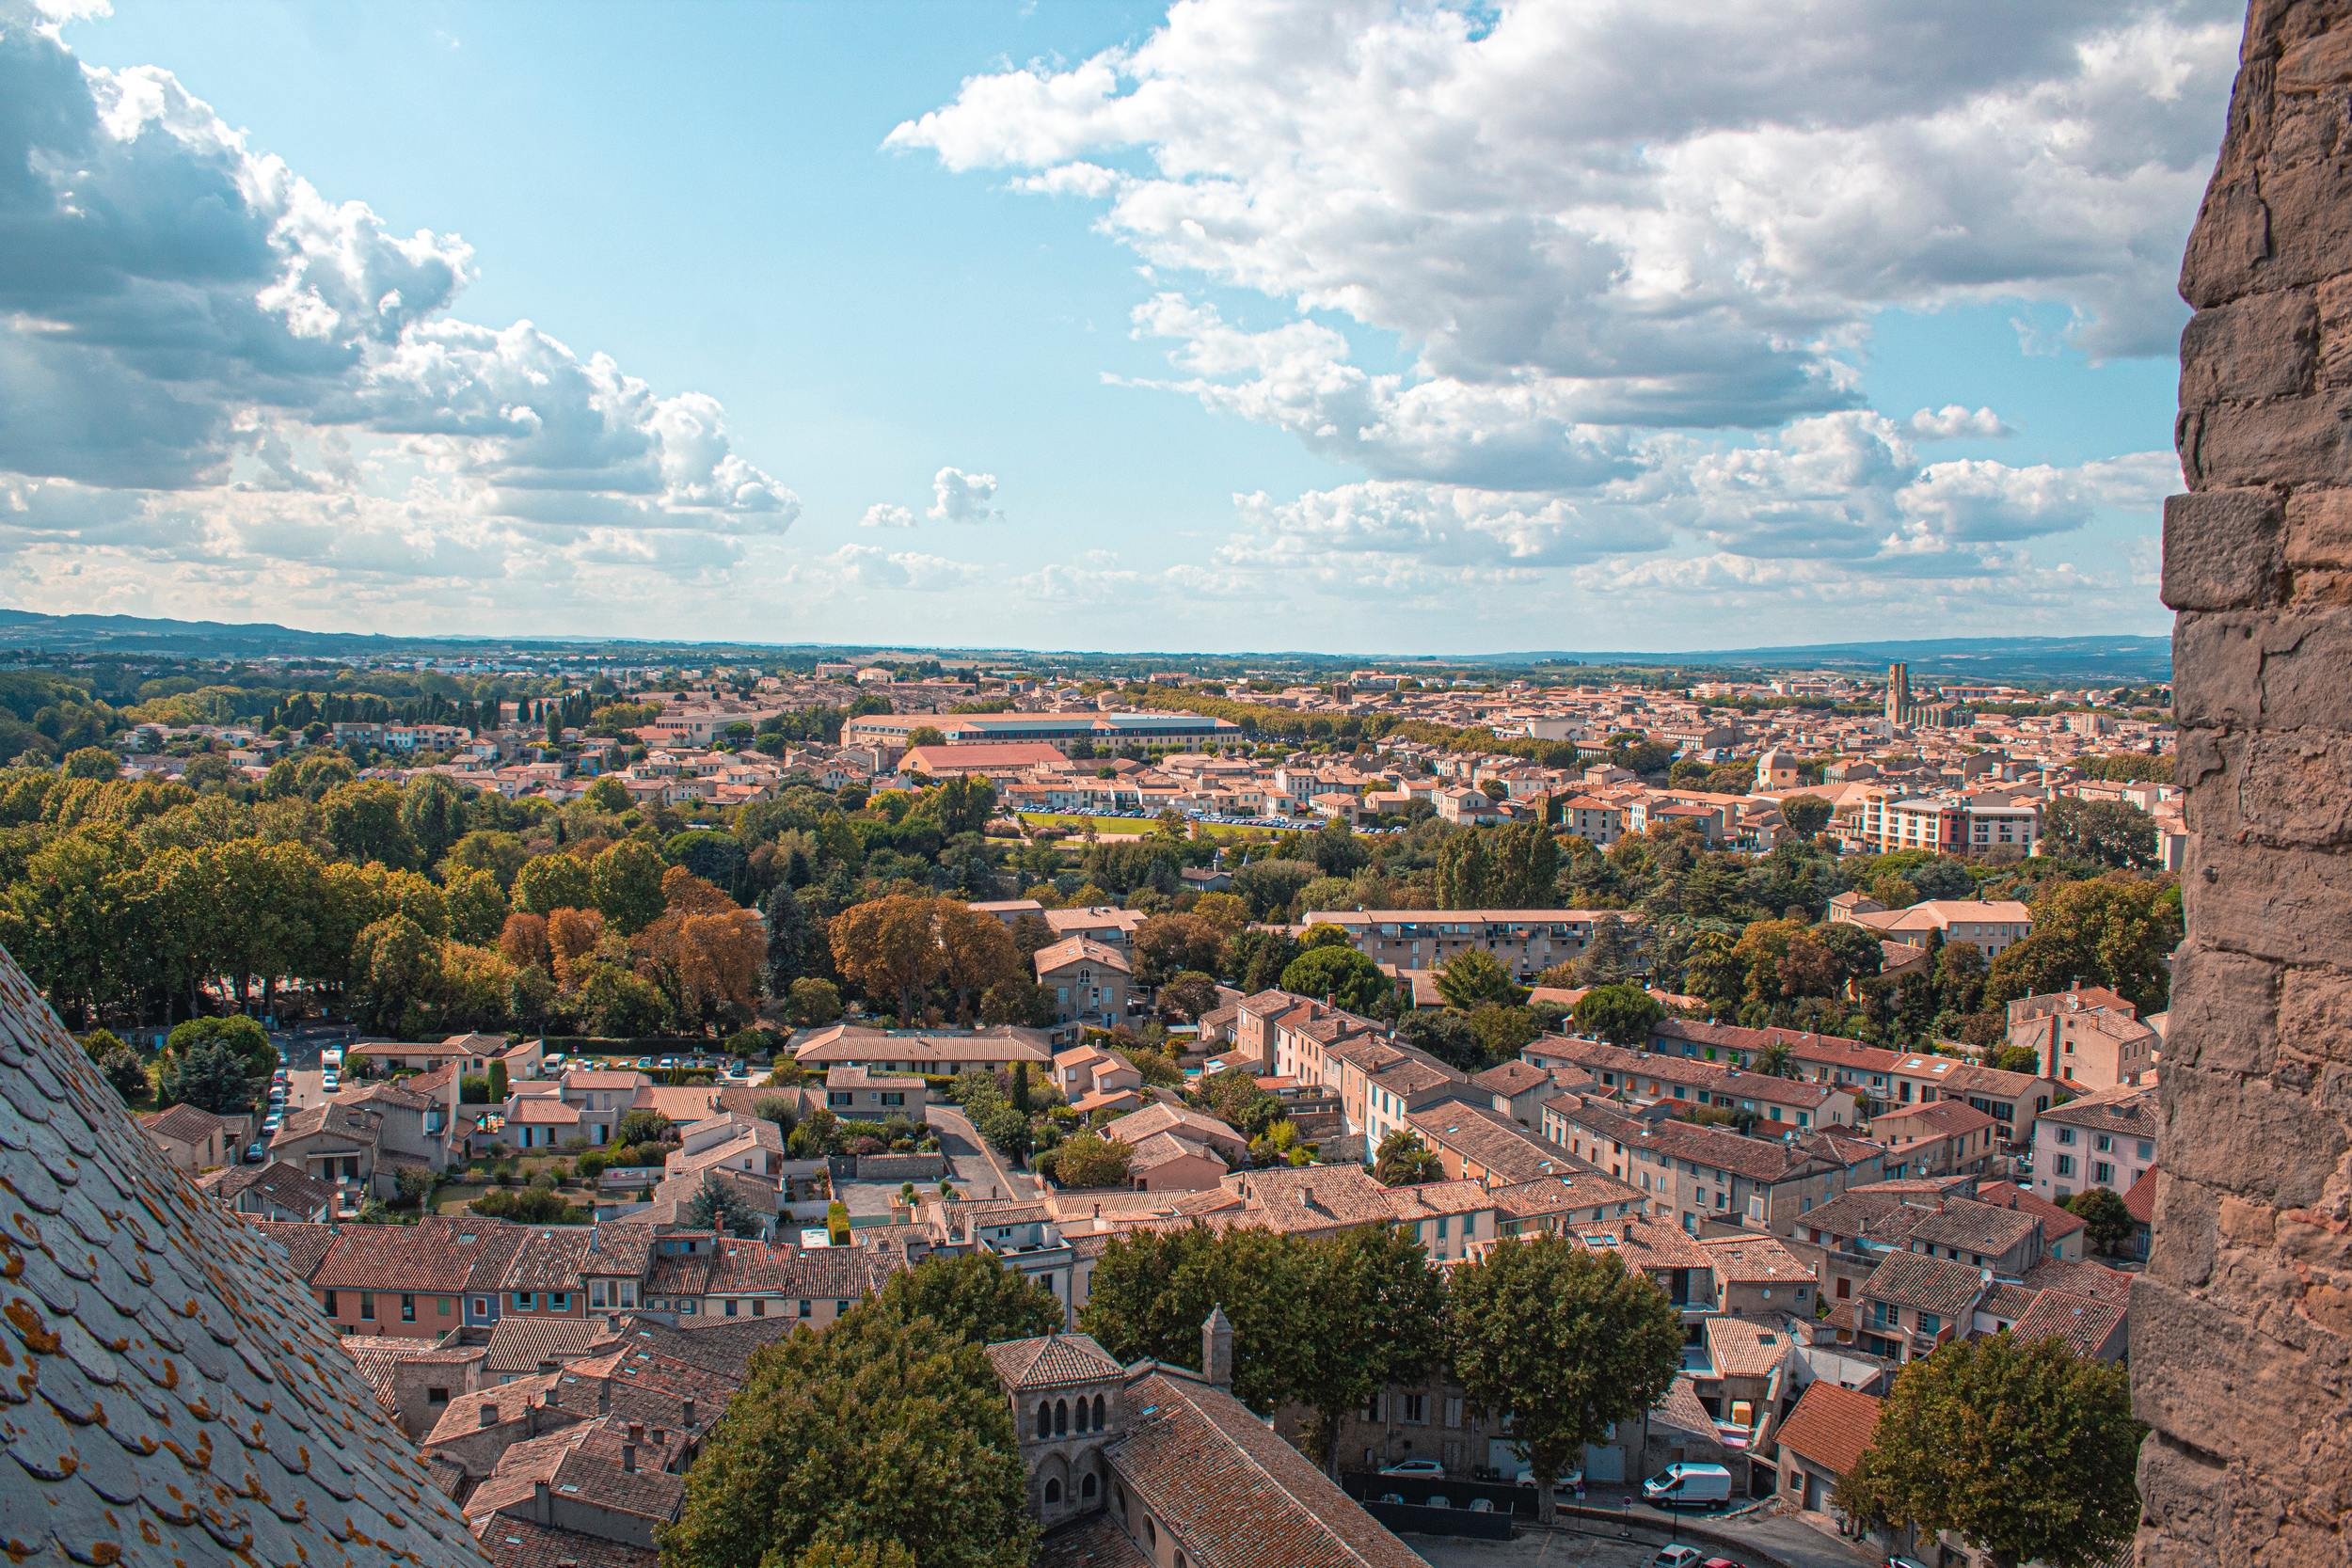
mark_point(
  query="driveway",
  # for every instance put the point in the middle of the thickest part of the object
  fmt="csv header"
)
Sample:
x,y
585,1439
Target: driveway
x,y
976,1166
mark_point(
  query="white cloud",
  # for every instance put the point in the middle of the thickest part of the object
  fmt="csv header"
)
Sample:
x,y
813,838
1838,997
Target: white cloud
x,y
886,515
869,566
1091,180
1954,420
957,497
203,358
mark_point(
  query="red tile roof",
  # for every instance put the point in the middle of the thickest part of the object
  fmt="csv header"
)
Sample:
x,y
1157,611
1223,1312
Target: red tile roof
x,y
1832,1426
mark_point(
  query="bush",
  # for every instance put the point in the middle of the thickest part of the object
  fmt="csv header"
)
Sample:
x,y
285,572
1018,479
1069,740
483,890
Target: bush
x,y
594,1164
837,1223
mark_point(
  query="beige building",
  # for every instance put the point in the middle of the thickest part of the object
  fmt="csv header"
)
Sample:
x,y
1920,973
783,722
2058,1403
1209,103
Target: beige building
x,y
2087,1037
1527,941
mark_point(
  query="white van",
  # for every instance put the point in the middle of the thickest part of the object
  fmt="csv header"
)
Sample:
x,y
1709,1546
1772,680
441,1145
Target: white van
x,y
1688,1486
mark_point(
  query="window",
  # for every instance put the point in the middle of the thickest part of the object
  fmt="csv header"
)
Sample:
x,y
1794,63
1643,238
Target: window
x,y
1087,1486
1417,1409
437,1396
2147,1149
1079,1418
1371,1408
525,1301
1061,1418
330,1303
2102,1173
596,1293
1930,1324
407,1307
1044,1421
805,1310
367,1306
2105,1144
1454,1410
482,1307
2066,1164
2066,1136
1441,1225
759,1306
441,1306
730,1307
1098,1419
1053,1491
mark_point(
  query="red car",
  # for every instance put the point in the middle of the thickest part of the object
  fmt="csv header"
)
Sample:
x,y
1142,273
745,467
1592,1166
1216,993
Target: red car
x,y
1721,1563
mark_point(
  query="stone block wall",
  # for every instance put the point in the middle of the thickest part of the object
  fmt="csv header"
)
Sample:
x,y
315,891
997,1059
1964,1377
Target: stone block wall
x,y
2242,1327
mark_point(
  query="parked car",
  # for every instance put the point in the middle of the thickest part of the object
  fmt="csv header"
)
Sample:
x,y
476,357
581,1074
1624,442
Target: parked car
x,y
1482,1505
1688,1486
1437,1499
1722,1562
1393,1497
1676,1557
1413,1467
255,1153
274,1121
1904,1562
329,1082
1569,1488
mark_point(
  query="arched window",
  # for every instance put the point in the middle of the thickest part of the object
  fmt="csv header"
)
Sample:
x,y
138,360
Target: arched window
x,y
1061,1416
1150,1535
1078,1417
1045,1419
1087,1486
1053,1490
1098,1412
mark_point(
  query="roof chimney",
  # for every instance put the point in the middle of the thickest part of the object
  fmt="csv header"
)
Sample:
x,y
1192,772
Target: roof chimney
x,y
1217,1349
628,1458
490,1417
542,1507
636,1431
685,1412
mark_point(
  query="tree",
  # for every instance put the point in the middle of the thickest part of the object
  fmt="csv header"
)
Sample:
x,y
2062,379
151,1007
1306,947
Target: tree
x,y
1610,956
608,794
433,813
1351,980
642,1127
971,1294
1474,978
1806,814
861,1554
875,1430
1375,1316
1255,958
1567,1341
363,821
1189,995
477,907
812,1004
546,884
2025,1450
2107,1223
1404,1160
1167,944
2112,833
2016,1059
122,1066
2116,931
1623,1014
209,1076
393,967
91,762
1091,1159
794,936
889,948
716,1205
626,881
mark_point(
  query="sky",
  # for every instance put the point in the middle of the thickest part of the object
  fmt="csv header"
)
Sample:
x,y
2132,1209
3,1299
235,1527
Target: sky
x,y
1353,325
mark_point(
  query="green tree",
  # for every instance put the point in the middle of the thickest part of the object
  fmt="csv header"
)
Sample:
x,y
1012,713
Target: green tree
x,y
1404,1160
477,907
1567,1341
625,881
1375,1316
1623,1014
2112,833
1474,978
2015,1058
1351,980
1806,814
1610,956
2107,1223
794,938
432,812
875,1430
1188,996
546,884
860,1554
209,1076
607,794
2025,1450
971,1294
91,762
2116,931
1151,1291
812,1004
122,1066
394,968
1090,1160
716,1205
362,820
1254,958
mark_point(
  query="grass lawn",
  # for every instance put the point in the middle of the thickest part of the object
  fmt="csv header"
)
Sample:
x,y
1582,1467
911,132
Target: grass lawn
x,y
1135,827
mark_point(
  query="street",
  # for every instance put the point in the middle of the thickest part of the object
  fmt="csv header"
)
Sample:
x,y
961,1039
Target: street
x,y
1769,1538
976,1166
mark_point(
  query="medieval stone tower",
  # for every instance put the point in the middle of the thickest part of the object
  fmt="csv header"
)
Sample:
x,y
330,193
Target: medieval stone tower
x,y
2242,1327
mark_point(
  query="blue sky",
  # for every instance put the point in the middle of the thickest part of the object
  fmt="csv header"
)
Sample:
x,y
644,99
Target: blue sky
x,y
1530,358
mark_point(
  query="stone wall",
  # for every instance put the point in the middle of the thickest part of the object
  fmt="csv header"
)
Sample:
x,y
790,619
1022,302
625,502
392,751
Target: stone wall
x,y
2242,1327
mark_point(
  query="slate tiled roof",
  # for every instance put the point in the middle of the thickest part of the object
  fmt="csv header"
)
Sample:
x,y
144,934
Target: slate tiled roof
x,y
1236,1495
1832,1426
172,1395
1051,1361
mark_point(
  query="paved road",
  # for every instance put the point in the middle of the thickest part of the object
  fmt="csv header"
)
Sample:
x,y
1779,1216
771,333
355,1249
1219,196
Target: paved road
x,y
1784,1540
976,1166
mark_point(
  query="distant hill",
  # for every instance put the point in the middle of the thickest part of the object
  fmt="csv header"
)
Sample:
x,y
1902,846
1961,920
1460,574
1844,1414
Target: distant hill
x,y
2029,660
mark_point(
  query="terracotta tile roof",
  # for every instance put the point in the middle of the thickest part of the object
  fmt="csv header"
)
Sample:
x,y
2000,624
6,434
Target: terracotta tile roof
x,y
437,1254
1572,1192
279,1184
1967,1225
1094,1542
2057,1223
2141,1202
2131,1112
1052,1361
1071,950
2083,1279
1753,1260
1741,1347
1235,1494
183,1124
2008,1302
1927,1284
514,1543
1164,1117
549,1259
1507,1150
2084,1324
178,1397
1830,1426
1513,1078
304,1244
518,1345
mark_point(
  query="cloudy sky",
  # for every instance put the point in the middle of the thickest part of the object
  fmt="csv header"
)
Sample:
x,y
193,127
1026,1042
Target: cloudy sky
x,y
1352,325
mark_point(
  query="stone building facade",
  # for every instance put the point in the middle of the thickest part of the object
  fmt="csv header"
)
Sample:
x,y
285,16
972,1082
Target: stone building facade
x,y
2242,1327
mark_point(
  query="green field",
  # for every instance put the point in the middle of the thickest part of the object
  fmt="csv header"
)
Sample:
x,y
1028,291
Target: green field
x,y
1132,826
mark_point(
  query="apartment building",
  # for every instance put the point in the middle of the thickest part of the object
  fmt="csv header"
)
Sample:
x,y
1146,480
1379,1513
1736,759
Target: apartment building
x,y
1991,926
1700,1177
1643,1077
2087,1037
2105,1140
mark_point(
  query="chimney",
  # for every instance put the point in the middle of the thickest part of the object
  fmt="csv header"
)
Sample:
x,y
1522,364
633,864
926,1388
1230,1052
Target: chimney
x,y
489,1415
546,1365
1217,1349
628,1458
685,1412
636,1431
542,1504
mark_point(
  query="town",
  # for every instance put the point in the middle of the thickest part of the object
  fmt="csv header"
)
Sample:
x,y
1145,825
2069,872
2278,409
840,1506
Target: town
x,y
1251,1070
